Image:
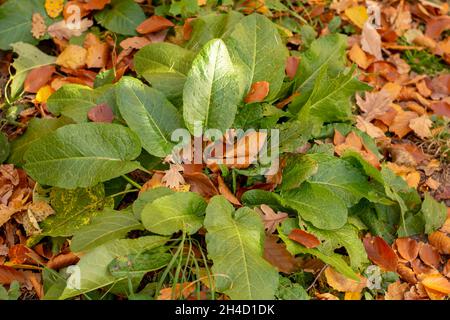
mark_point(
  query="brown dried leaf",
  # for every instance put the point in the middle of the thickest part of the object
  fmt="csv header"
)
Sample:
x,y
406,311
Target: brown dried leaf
x,y
380,253
406,273
441,108
226,192
37,78
271,219
374,104
368,128
429,255
20,254
358,56
200,183
180,290
96,4
8,275
371,41
134,43
278,256
172,178
305,238
436,25
292,63
400,125
421,126
62,260
154,24
61,30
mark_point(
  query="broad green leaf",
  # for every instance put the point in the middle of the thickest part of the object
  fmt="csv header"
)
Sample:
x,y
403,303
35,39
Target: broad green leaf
x,y
346,237
165,66
15,21
326,52
82,155
37,129
434,213
298,168
93,266
181,211
346,181
318,205
235,245
212,26
288,290
149,196
105,226
4,147
256,44
211,92
149,114
356,160
29,58
122,16
258,197
330,98
335,260
139,264
73,209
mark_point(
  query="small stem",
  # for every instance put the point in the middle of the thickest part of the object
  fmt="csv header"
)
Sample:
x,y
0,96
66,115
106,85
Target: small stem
x,y
131,181
123,192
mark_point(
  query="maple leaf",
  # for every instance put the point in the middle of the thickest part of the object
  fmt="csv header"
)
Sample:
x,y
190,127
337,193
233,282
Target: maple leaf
x,y
421,126
375,104
172,178
271,219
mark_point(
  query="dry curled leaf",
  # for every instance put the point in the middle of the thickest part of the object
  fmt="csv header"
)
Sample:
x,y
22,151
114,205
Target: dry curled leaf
x,y
400,125
292,63
341,283
226,192
380,253
407,248
258,92
180,290
421,126
437,282
406,273
63,30
429,255
369,128
304,238
396,291
134,43
172,178
371,41
62,260
440,241
8,275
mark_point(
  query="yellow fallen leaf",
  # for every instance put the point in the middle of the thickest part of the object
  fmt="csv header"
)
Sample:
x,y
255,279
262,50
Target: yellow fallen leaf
x,y
54,7
357,15
352,296
73,57
358,56
43,94
421,126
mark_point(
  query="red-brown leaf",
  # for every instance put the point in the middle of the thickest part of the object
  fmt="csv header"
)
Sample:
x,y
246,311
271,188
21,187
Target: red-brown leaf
x,y
154,24
258,92
305,238
278,256
20,254
8,275
38,78
101,113
291,66
380,253
200,183
441,108
96,4
436,26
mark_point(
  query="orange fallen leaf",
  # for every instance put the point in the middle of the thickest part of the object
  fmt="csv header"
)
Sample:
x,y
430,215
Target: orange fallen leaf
x,y
258,92
73,57
341,283
62,260
406,273
396,291
407,248
96,4
400,124
97,51
421,126
437,282
180,290
225,191
380,253
305,238
441,108
429,255
409,174
292,63
154,24
134,43
358,56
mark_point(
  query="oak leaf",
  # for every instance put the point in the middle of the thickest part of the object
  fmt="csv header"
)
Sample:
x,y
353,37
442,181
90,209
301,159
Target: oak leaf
x,y
421,126
38,27
271,220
